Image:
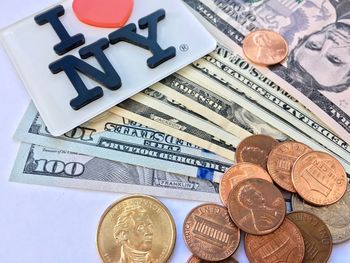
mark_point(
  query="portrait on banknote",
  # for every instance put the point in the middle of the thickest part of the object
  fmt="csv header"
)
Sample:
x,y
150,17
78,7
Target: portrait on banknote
x,y
318,34
330,48
256,125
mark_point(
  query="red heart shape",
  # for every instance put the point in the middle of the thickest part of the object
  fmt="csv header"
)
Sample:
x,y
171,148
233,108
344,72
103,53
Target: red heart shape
x,y
103,13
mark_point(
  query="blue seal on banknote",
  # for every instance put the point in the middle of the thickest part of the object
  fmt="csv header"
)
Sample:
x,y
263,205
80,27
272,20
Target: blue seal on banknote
x,y
205,173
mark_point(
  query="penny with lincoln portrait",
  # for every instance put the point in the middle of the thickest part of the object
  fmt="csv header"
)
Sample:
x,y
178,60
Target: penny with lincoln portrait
x,y
255,149
238,173
286,244
316,235
281,160
265,47
319,178
209,232
137,228
256,206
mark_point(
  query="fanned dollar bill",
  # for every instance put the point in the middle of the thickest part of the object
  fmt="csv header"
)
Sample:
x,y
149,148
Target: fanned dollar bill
x,y
316,71
129,142
220,73
216,88
207,89
224,112
46,166
155,111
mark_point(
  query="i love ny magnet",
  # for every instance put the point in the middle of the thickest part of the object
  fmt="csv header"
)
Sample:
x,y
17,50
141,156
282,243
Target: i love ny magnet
x,y
81,57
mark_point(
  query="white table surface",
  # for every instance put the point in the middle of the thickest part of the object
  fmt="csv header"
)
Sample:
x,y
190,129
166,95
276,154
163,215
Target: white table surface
x,y
47,224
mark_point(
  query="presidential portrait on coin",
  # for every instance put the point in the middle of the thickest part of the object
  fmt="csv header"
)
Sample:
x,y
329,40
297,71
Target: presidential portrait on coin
x,y
261,215
321,59
133,234
339,216
263,44
336,216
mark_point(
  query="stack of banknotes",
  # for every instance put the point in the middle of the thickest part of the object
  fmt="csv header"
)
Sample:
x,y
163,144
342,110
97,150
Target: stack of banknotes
x,y
177,137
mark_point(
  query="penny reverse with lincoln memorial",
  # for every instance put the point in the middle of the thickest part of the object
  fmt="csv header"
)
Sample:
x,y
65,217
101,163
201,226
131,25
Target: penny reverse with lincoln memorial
x,y
209,232
319,178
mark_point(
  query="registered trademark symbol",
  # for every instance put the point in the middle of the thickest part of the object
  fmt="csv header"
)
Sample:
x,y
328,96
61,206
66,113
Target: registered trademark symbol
x,y
184,47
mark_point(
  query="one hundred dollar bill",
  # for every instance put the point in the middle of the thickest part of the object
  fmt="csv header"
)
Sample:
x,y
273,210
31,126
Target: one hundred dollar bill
x,y
129,142
46,166
316,71
53,167
156,111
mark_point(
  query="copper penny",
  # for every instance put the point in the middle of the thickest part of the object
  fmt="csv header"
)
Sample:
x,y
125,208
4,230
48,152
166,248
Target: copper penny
x,y
286,244
255,149
238,173
194,259
256,206
281,160
319,178
336,216
316,235
265,47
209,232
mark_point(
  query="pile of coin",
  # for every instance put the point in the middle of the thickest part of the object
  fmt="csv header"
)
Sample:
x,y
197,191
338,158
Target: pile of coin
x,y
140,228
251,192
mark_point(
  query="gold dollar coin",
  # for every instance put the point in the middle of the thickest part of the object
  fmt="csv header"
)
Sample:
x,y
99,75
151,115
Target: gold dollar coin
x,y
137,228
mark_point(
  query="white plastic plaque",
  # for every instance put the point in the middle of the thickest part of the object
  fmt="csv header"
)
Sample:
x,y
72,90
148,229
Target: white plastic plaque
x,y
30,47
